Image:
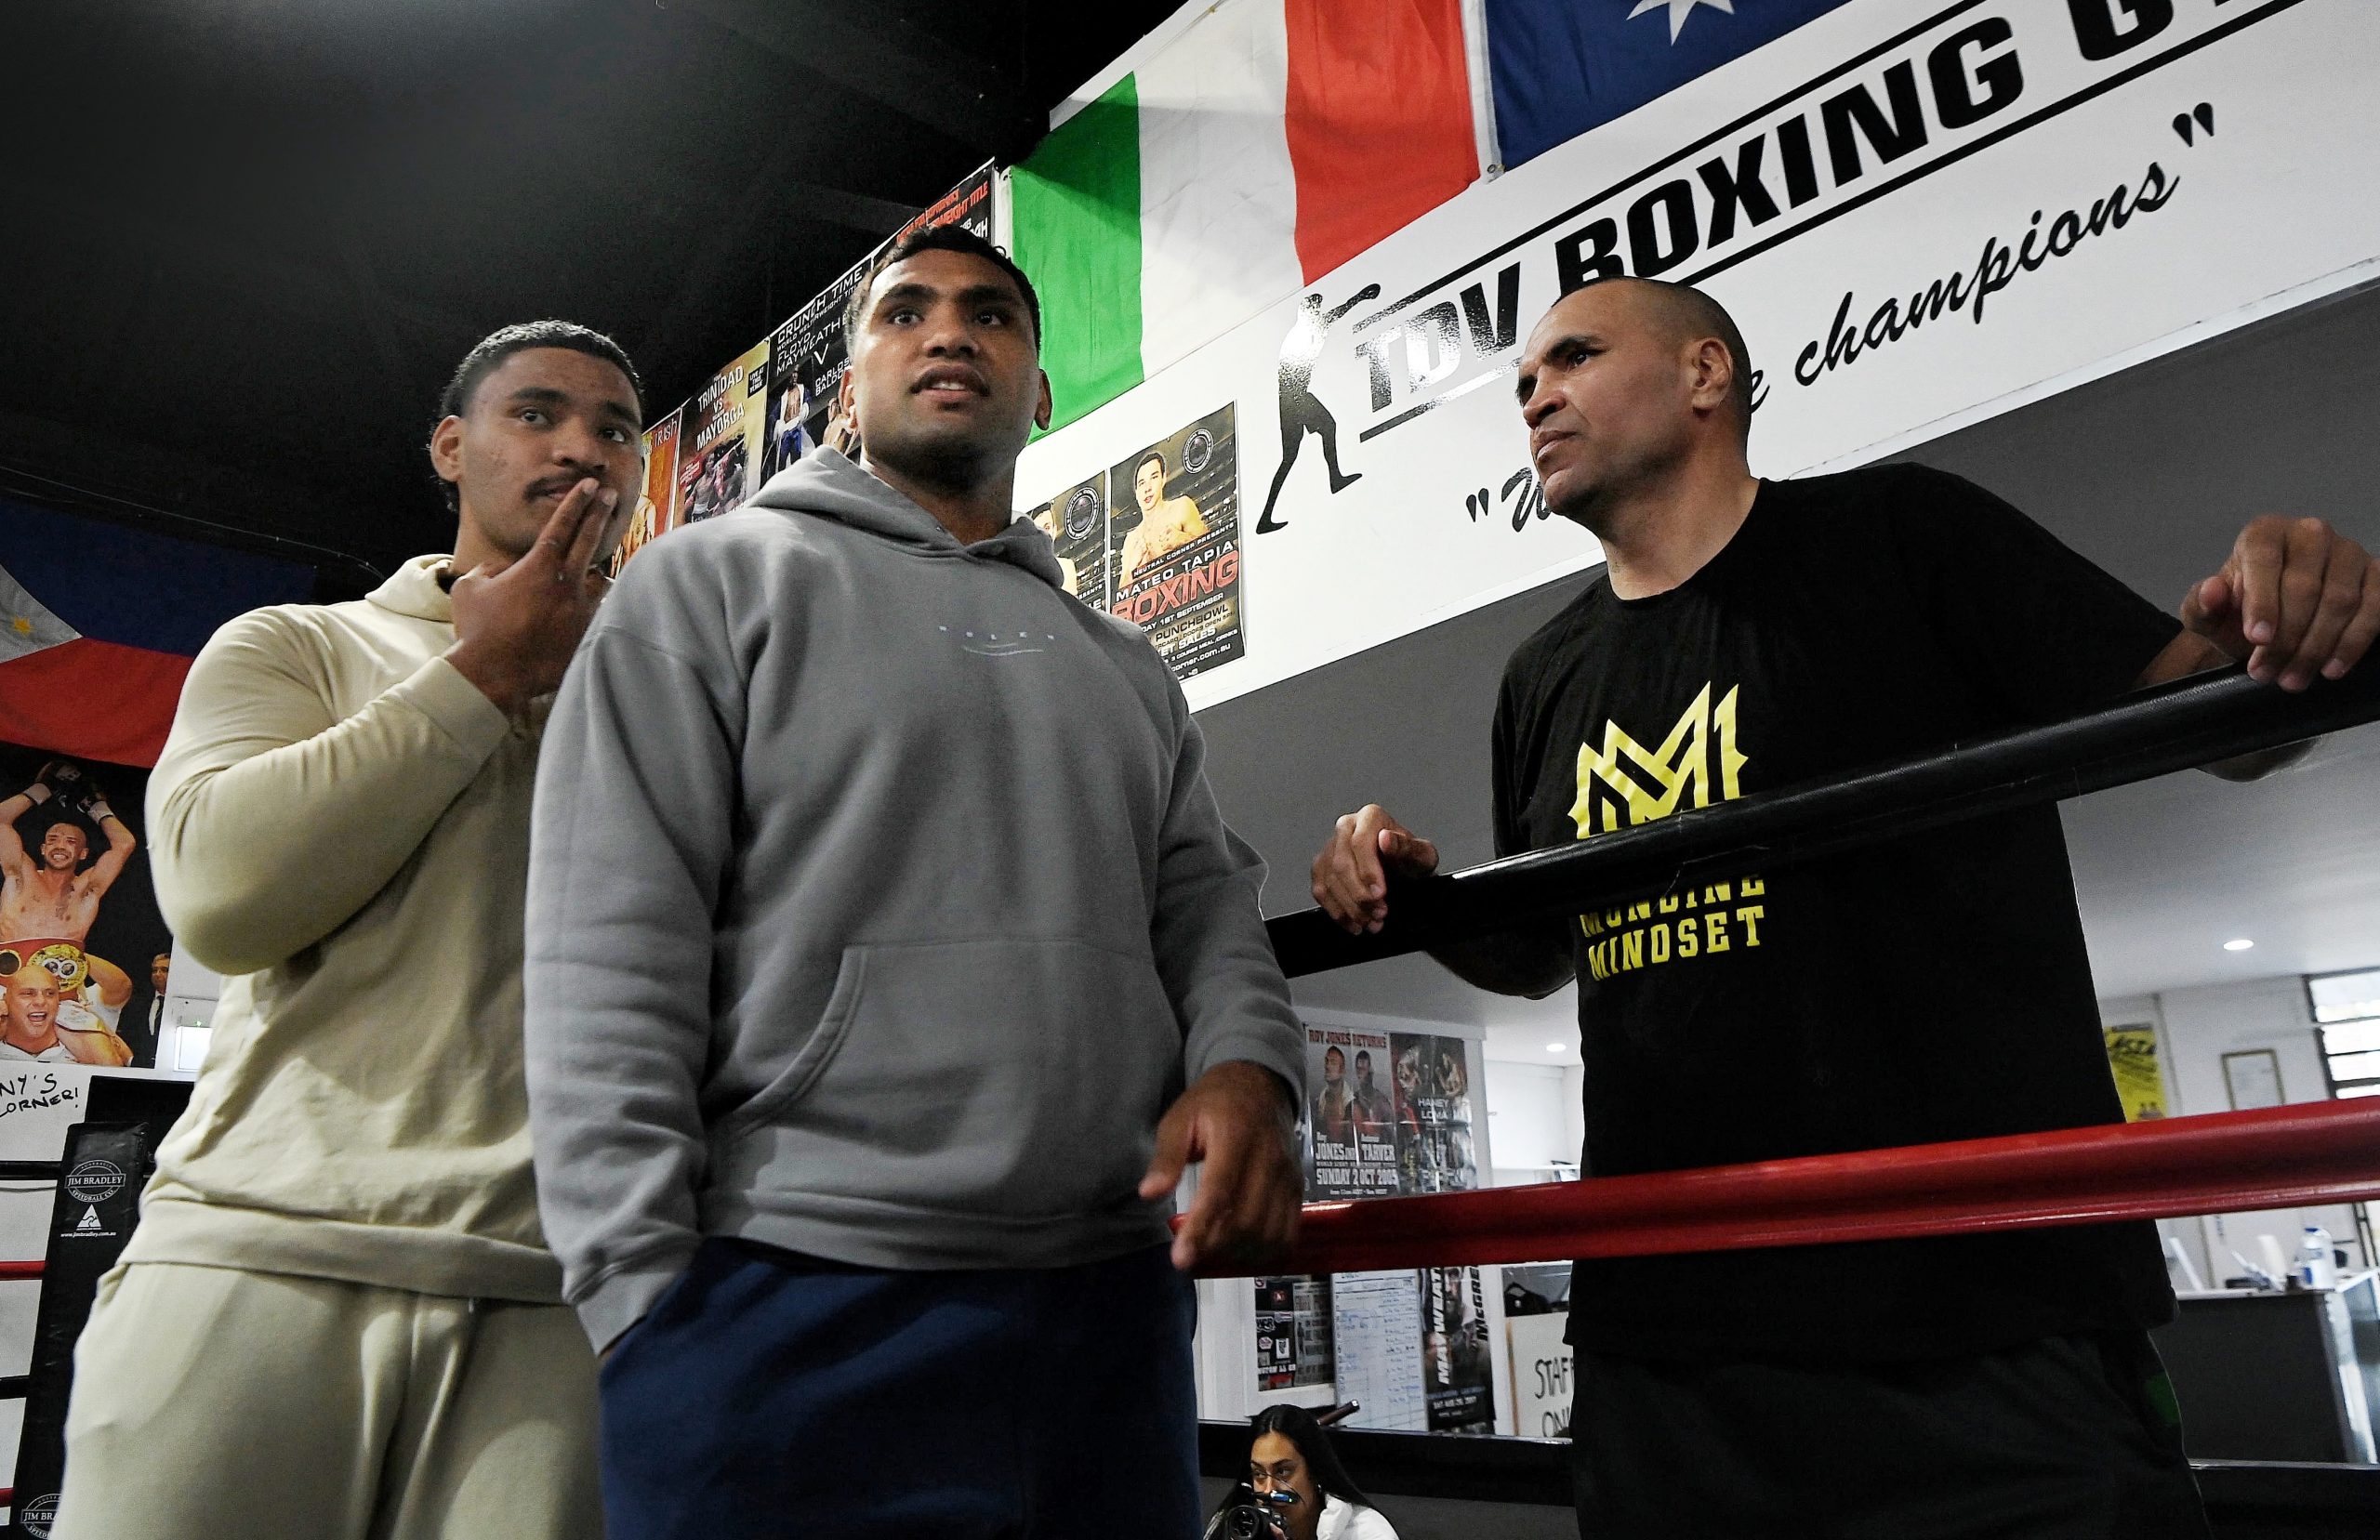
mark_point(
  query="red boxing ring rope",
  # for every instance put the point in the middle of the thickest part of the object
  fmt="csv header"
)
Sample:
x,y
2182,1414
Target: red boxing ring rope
x,y
2275,1157
20,1271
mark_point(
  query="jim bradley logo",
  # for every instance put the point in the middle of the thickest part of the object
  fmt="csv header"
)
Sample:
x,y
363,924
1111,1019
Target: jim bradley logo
x,y
1623,782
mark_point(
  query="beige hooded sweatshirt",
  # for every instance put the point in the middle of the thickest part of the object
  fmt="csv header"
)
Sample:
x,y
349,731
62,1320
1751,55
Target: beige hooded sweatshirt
x,y
339,824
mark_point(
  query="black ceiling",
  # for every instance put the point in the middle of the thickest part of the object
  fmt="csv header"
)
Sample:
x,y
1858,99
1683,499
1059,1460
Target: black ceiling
x,y
247,239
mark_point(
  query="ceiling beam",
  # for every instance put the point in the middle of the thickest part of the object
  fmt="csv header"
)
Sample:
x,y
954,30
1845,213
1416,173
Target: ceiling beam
x,y
894,64
850,210
31,199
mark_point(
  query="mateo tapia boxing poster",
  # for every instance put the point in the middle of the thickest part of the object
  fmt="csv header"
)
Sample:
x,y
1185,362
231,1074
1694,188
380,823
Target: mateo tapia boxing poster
x,y
1174,544
83,950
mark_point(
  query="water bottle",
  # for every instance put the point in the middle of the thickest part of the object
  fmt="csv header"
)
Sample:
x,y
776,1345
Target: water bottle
x,y
2315,1268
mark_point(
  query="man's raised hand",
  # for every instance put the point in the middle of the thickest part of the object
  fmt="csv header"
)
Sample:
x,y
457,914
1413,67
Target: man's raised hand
x,y
517,623
1352,872
2295,599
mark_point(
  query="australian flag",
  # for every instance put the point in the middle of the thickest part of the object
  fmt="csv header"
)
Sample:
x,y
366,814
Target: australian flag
x,y
1561,67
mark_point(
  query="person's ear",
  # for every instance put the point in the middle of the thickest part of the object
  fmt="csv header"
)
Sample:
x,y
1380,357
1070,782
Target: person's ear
x,y
446,449
1713,373
1045,410
847,398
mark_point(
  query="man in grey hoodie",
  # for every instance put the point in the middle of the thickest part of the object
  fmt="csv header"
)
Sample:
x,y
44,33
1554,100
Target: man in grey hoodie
x,y
887,961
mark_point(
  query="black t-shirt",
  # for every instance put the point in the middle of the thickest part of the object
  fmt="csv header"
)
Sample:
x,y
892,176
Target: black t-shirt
x,y
1931,987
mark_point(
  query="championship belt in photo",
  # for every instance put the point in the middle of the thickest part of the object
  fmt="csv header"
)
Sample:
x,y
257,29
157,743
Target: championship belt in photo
x,y
65,959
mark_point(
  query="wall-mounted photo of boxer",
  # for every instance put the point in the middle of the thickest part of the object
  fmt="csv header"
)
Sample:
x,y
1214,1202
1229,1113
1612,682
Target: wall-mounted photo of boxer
x,y
1174,546
74,904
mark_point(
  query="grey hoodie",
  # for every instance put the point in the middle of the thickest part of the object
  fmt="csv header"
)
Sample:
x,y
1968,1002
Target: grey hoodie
x,y
878,906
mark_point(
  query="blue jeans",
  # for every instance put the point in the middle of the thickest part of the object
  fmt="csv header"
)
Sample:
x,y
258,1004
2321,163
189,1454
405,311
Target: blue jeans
x,y
774,1394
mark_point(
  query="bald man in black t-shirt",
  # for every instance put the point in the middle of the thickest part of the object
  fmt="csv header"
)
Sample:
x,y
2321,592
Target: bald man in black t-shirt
x,y
1744,636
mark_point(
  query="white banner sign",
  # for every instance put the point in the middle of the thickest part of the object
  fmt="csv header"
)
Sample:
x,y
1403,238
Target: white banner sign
x,y
1541,1374
1932,213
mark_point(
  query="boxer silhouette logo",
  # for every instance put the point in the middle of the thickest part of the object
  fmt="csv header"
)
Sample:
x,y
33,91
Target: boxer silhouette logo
x,y
1082,511
1197,450
1301,410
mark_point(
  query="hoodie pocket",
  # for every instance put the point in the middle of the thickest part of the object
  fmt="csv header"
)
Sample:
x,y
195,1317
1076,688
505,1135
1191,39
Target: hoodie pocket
x,y
1017,1078
825,1042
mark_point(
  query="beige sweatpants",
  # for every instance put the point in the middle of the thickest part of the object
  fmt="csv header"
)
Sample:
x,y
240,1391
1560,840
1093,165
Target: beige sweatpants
x,y
216,1404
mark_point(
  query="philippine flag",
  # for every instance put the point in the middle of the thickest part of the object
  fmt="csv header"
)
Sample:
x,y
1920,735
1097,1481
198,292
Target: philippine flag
x,y
99,625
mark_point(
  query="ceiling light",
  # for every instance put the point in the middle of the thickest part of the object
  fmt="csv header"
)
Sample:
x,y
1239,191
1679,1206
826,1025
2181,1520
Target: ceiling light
x,y
2238,945
1556,1048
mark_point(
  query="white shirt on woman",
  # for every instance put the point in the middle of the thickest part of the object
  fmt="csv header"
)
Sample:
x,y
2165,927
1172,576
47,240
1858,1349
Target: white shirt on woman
x,y
1345,1520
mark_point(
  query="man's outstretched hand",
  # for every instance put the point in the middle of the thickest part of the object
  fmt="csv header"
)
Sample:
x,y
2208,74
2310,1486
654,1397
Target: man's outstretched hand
x,y
1230,1124
2295,599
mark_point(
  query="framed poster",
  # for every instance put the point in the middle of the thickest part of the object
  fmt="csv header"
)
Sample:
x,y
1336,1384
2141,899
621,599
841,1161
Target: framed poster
x,y
2252,1079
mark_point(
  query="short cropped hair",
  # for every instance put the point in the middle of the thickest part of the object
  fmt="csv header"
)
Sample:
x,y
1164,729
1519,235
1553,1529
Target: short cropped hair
x,y
1687,312
501,344
957,238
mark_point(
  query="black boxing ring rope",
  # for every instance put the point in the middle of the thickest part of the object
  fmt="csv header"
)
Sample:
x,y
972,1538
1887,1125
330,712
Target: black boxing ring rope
x,y
2226,1161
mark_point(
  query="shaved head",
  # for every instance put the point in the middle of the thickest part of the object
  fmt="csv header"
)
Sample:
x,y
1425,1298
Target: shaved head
x,y
1685,316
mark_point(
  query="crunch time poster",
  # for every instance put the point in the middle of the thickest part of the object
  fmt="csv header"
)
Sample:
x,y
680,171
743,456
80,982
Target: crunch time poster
x,y
806,355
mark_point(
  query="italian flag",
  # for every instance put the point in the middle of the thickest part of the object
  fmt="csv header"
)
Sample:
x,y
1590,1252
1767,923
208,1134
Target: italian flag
x,y
1254,146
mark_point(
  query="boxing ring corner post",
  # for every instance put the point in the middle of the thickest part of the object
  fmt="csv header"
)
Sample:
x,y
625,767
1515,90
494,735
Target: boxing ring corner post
x,y
2306,1152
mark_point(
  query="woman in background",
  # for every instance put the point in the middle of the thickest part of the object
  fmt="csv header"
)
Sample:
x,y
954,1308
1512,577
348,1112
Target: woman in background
x,y
1291,1457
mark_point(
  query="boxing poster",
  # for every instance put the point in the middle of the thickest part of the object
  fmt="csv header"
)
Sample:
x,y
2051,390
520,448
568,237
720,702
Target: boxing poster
x,y
1350,1134
83,950
1458,1376
1433,1114
806,364
657,507
720,445
807,356
1293,1336
1076,521
2131,1055
1174,544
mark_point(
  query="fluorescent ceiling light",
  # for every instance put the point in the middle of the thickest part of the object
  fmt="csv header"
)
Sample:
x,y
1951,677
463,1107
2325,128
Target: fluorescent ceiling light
x,y
1556,1048
2239,944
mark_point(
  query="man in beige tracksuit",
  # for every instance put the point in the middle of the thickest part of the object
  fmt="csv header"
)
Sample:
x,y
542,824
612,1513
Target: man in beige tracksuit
x,y
338,1317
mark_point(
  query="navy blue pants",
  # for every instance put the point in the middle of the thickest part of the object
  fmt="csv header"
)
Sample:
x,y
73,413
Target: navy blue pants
x,y
772,1394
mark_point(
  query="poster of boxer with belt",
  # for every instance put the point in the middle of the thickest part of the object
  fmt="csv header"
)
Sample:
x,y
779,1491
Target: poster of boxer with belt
x,y
1173,535
78,924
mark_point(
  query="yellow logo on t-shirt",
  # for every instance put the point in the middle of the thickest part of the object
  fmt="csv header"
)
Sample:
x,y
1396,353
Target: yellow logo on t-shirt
x,y
1699,763
1649,783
